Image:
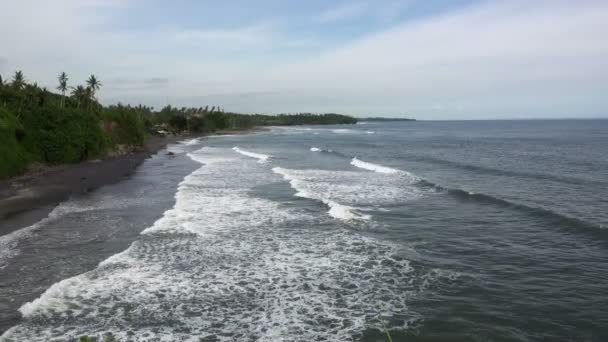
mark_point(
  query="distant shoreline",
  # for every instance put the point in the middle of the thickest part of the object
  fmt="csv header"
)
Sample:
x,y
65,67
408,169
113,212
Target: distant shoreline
x,y
382,119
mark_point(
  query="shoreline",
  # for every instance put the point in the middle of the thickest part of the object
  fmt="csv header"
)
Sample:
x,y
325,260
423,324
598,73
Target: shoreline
x,y
27,199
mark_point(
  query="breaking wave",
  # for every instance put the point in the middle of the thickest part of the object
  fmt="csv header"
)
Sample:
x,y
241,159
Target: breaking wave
x,y
372,167
225,265
348,194
262,158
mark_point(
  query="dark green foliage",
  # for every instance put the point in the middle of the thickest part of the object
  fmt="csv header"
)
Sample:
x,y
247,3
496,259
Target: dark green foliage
x,y
63,136
124,125
220,120
178,122
198,120
38,125
201,124
13,158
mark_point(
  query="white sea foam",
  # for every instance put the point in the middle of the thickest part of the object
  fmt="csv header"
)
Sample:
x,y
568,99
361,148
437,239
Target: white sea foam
x,y
305,190
315,149
228,265
344,212
370,132
343,131
372,167
348,194
262,158
190,142
9,243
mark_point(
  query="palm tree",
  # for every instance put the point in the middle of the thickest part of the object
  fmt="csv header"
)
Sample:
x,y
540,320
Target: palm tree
x,y
81,94
93,84
18,80
1,81
63,87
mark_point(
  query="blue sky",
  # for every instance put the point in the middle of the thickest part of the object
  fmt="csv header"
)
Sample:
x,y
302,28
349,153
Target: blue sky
x,y
451,59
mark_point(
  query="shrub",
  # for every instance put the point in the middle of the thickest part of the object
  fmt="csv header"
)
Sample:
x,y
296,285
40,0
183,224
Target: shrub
x,y
63,136
13,157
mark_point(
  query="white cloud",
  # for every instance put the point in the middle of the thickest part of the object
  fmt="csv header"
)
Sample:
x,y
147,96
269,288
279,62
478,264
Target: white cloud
x,y
494,59
346,10
235,37
546,60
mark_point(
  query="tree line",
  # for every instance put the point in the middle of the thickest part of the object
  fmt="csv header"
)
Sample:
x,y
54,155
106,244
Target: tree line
x,y
39,125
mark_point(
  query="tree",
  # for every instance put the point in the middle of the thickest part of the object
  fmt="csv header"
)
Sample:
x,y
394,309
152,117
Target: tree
x,y
93,84
63,87
18,80
1,81
80,94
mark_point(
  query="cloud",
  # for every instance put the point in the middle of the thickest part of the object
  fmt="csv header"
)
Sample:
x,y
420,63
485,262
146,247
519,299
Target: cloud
x,y
156,80
546,60
542,58
233,37
347,10
122,84
385,11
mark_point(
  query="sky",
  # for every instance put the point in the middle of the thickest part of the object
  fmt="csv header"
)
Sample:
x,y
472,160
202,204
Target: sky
x,y
426,59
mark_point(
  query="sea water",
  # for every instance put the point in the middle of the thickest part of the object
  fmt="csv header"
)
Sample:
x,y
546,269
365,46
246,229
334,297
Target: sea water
x,y
473,230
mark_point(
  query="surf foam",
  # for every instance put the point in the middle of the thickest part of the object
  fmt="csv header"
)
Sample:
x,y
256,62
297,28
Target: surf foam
x,y
342,131
372,167
262,158
348,194
227,265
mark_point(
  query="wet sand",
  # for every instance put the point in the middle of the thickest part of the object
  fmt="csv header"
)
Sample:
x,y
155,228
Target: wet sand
x,y
27,199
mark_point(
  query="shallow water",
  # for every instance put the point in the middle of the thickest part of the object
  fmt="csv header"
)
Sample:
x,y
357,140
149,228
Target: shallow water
x,y
490,230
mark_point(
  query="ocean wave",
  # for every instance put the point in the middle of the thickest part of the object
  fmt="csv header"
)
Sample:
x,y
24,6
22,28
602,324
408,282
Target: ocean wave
x,y
372,167
316,149
349,193
225,265
336,210
190,142
343,131
262,158
543,213
9,243
508,173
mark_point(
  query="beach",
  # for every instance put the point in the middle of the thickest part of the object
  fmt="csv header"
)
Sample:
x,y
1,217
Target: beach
x,y
27,199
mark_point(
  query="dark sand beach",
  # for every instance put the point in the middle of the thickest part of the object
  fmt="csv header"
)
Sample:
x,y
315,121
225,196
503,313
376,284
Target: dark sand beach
x,y
29,198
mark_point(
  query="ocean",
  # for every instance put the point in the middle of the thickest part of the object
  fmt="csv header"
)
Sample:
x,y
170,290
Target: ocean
x,y
424,231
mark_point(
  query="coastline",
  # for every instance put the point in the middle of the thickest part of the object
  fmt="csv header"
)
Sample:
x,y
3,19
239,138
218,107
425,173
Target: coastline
x,y
29,198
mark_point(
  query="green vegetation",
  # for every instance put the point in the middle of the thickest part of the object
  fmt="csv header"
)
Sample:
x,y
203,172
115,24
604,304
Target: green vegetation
x,y
37,125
